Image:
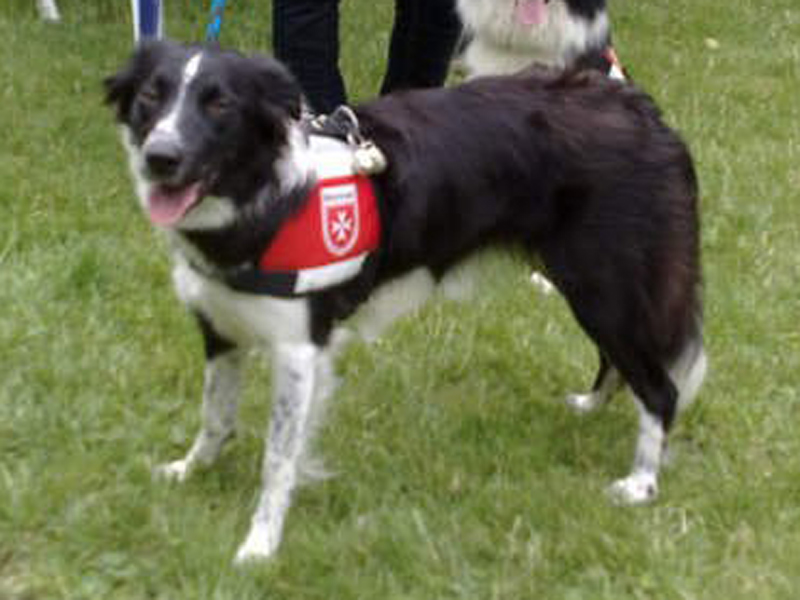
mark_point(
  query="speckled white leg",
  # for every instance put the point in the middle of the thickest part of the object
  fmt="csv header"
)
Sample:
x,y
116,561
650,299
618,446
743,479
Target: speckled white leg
x,y
296,370
221,389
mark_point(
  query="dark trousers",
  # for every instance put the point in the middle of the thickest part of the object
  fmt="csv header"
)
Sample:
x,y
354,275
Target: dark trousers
x,y
306,39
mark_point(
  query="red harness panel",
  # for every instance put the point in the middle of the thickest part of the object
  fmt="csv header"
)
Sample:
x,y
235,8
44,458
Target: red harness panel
x,y
340,221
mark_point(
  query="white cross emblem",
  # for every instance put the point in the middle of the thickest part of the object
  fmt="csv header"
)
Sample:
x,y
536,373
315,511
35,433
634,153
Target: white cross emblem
x,y
341,226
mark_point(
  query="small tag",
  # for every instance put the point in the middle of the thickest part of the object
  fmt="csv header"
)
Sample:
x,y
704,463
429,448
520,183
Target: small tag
x,y
368,159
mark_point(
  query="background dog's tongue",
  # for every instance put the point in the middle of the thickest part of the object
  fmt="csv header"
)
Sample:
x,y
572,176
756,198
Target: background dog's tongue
x,y
167,207
531,12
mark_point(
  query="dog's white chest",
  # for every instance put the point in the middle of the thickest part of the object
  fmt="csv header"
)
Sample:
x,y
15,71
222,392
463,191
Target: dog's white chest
x,y
247,319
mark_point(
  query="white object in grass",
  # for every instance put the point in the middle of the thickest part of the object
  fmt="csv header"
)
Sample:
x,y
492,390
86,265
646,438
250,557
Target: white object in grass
x,y
48,10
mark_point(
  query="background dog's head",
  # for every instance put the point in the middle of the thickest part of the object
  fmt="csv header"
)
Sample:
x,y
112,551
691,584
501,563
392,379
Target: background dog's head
x,y
201,125
508,35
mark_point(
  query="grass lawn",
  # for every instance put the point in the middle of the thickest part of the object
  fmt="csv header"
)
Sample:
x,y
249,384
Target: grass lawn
x,y
460,473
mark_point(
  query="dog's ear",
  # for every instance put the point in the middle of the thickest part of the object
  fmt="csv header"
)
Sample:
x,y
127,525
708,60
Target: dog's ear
x,y
121,87
278,92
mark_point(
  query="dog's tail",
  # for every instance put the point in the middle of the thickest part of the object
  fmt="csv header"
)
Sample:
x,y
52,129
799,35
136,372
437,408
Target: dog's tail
x,y
688,370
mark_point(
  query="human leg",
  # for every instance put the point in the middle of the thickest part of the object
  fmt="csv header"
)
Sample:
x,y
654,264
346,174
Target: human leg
x,y
306,39
424,36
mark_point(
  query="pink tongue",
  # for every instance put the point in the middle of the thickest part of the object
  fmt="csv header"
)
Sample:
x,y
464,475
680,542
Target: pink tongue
x,y
168,207
531,12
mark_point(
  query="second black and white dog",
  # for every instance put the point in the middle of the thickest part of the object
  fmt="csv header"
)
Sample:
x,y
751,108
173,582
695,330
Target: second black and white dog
x,y
576,168
508,35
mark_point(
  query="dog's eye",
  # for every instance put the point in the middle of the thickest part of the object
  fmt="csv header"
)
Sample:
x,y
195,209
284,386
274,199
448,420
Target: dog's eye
x,y
150,95
217,106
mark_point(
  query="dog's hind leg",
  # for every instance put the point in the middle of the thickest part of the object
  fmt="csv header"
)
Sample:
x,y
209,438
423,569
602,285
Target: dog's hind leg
x,y
297,368
221,390
641,485
606,384
660,391
631,349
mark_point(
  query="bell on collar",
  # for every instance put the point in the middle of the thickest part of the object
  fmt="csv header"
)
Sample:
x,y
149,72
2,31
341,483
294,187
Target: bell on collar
x,y
368,159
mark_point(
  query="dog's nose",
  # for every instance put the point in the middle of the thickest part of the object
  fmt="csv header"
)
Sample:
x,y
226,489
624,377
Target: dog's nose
x,y
163,157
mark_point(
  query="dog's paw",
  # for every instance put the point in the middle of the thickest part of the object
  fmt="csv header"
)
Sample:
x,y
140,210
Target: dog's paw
x,y
259,547
176,471
542,283
637,488
583,403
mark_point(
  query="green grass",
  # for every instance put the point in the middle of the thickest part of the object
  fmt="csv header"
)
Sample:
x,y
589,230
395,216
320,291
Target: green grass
x,y
460,472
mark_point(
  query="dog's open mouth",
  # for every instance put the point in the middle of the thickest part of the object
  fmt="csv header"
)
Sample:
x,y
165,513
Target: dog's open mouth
x,y
167,204
531,13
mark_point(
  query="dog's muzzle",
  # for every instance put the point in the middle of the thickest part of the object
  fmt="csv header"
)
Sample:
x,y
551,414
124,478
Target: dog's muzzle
x,y
163,156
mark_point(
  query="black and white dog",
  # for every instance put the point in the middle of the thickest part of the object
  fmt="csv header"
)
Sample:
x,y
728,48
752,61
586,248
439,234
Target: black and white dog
x,y
574,167
509,35
506,36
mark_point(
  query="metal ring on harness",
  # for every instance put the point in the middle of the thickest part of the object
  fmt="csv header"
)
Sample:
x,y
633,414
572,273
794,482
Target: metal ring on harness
x,y
342,124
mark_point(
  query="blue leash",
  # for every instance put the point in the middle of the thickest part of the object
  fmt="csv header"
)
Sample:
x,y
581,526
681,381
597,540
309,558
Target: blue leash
x,y
148,19
214,27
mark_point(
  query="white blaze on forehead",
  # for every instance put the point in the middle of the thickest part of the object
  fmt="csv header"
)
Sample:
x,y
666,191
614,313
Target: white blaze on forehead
x,y
168,125
191,68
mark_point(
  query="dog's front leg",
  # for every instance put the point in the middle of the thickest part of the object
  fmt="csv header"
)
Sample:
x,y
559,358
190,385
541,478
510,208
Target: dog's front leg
x,y
221,390
295,368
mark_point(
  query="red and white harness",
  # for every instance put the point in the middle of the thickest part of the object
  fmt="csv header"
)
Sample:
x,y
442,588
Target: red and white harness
x,y
333,236
330,240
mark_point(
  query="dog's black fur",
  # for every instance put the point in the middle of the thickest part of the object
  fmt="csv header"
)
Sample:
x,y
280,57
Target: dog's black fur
x,y
573,167
586,8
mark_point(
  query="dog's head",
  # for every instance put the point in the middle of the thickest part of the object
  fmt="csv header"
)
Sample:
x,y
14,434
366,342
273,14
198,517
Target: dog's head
x,y
205,128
